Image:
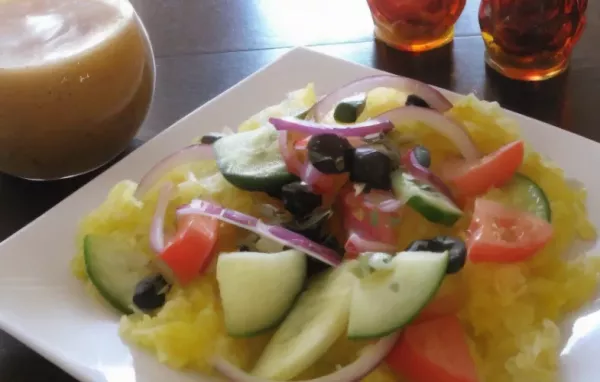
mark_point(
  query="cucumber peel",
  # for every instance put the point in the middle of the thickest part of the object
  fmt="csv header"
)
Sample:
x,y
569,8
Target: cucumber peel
x,y
114,268
523,193
386,300
251,160
425,199
317,320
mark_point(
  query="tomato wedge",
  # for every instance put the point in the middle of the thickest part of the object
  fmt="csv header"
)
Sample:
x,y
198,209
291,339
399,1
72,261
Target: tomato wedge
x,y
474,178
300,145
324,184
190,251
289,153
365,214
502,235
434,351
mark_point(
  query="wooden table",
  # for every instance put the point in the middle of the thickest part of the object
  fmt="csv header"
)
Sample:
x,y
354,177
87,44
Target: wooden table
x,y
203,47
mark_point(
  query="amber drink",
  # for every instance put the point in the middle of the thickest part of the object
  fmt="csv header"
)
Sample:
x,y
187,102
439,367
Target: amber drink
x,y
415,25
531,39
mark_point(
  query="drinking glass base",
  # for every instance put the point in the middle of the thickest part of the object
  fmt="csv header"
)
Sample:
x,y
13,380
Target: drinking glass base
x,y
526,74
397,42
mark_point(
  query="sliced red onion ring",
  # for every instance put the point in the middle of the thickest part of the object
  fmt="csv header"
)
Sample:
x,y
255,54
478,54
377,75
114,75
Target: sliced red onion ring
x,y
412,165
440,122
276,233
434,98
384,201
157,228
189,154
372,126
358,244
354,372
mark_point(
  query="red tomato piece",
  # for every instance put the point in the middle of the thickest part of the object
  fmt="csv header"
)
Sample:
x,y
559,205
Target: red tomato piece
x,y
363,215
301,144
190,251
324,184
474,178
501,235
290,155
434,351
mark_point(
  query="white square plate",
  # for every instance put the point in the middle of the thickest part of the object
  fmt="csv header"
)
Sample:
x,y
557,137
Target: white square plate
x,y
42,304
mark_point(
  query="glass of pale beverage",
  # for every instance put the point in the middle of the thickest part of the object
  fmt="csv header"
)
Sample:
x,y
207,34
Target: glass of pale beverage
x,y
77,80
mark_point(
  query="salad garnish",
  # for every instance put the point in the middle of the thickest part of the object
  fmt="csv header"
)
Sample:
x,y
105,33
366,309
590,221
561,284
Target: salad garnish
x,y
355,219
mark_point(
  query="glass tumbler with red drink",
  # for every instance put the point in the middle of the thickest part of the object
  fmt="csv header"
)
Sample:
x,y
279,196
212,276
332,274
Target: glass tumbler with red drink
x,y
415,25
531,39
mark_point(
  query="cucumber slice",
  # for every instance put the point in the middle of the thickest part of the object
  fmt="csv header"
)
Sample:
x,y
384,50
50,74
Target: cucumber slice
x,y
258,289
385,300
425,199
523,193
251,160
316,321
114,268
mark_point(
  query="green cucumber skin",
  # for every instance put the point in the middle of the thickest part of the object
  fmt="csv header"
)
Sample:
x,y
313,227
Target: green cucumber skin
x,y
257,333
322,310
251,183
388,332
258,180
87,257
416,200
433,214
523,180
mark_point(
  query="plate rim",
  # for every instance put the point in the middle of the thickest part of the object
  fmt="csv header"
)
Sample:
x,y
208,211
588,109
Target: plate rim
x,y
52,355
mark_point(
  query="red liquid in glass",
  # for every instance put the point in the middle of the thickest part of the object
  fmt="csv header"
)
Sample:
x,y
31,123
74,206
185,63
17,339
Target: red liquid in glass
x,y
531,39
415,25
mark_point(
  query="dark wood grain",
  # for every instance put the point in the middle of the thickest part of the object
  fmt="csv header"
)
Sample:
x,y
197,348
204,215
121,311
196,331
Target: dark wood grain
x,y
205,46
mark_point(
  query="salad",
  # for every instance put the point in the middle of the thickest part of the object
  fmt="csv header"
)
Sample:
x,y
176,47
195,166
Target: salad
x,y
378,233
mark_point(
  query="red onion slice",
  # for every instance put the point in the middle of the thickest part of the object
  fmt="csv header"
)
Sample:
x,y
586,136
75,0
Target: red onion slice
x,y
384,201
372,126
157,228
189,154
434,98
354,372
250,223
359,244
440,122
